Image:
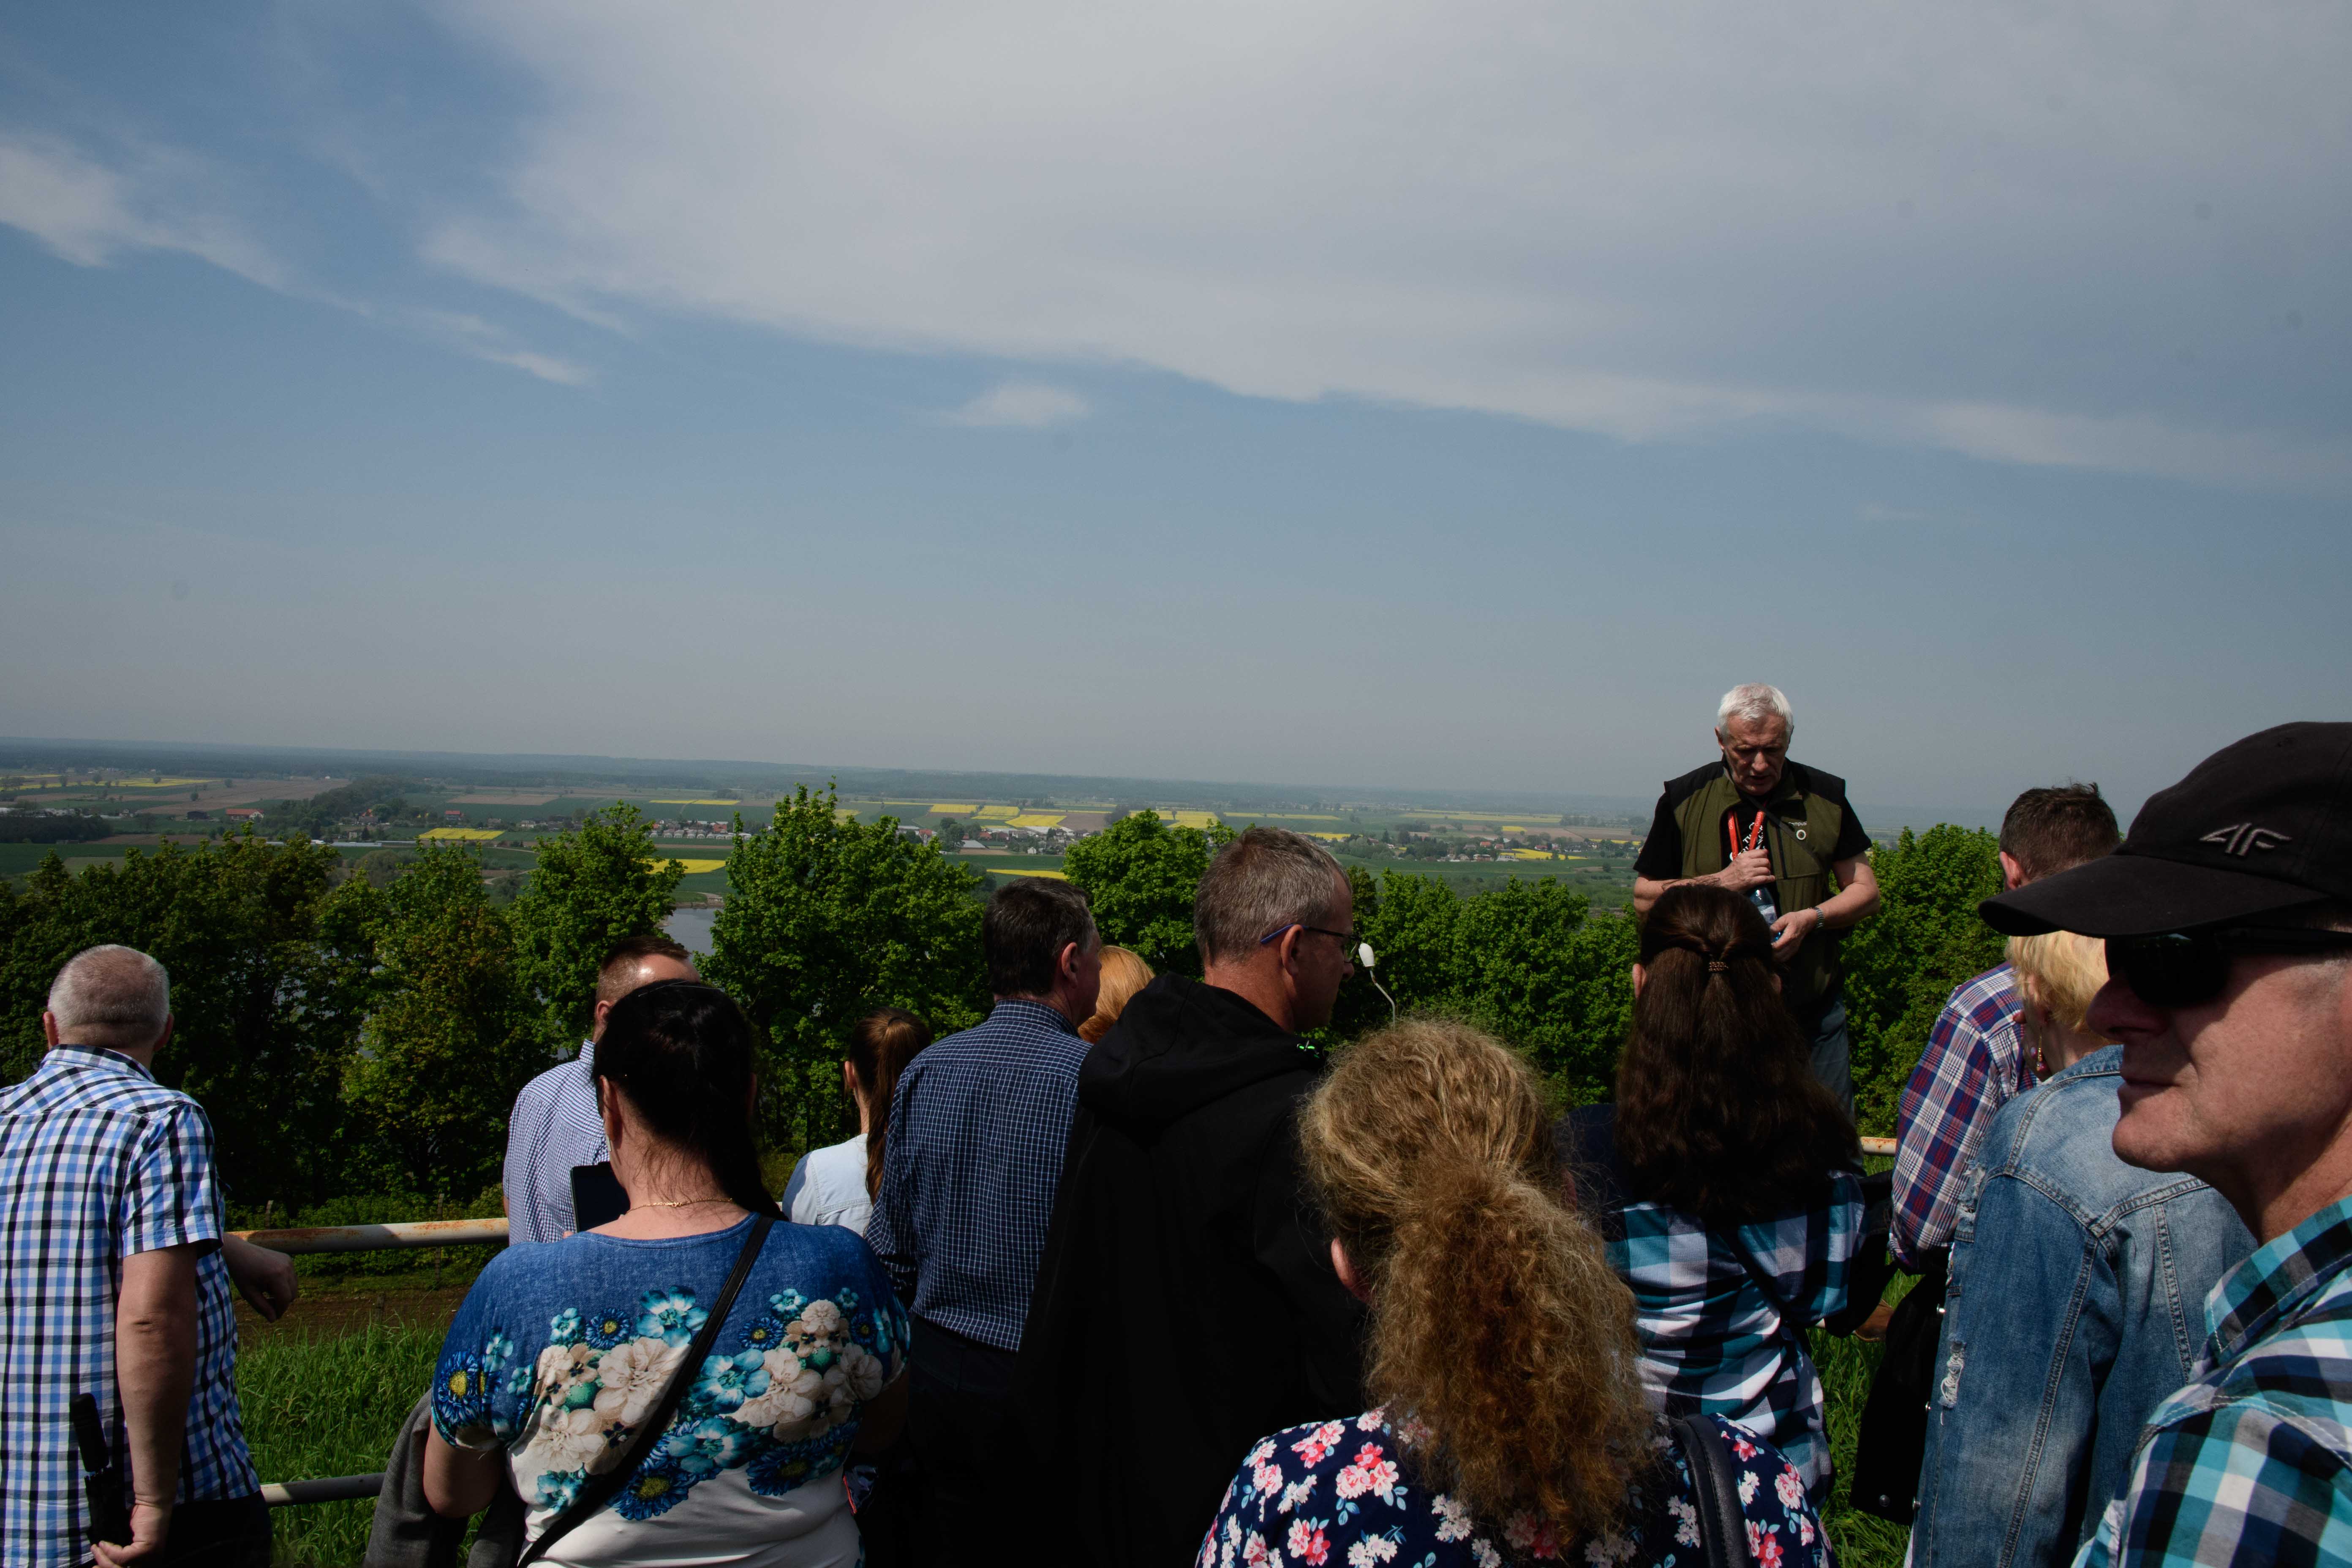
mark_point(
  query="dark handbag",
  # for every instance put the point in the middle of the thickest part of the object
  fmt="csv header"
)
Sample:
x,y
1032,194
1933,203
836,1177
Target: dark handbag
x,y
102,1477
1714,1488
600,1489
1891,1442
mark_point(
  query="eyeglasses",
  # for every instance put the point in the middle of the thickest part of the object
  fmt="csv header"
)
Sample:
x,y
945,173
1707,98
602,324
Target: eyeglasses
x,y
1347,938
2183,968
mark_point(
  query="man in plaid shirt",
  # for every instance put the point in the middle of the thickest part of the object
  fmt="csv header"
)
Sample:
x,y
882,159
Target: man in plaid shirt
x,y
2228,919
116,1287
1975,1062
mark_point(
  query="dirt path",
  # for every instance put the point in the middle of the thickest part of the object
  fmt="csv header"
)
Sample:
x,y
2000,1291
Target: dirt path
x,y
327,1312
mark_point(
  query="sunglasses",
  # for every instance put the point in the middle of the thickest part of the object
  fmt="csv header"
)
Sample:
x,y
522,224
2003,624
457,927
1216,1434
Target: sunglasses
x,y
2184,968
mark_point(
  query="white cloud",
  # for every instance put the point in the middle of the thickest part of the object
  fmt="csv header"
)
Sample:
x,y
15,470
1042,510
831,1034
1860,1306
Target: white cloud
x,y
89,213
1022,405
487,340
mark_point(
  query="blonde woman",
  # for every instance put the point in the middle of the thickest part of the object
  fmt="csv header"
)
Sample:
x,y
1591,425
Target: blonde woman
x,y
1123,974
1511,1425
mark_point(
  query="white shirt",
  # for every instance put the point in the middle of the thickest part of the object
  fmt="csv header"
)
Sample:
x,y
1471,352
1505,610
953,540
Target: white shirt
x,y
828,1187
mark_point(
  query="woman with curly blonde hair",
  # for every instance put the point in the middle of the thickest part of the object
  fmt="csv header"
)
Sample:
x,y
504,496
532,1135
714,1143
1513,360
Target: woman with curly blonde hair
x,y
1511,1424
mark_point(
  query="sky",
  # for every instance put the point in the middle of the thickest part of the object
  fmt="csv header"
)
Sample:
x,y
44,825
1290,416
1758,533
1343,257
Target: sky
x,y
1407,395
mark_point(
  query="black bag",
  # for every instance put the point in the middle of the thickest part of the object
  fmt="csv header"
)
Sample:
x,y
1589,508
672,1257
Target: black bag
x,y
1714,1488
102,1477
599,1489
1893,1442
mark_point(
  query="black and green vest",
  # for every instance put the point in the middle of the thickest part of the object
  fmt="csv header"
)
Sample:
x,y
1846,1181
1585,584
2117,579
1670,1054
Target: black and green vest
x,y
1804,816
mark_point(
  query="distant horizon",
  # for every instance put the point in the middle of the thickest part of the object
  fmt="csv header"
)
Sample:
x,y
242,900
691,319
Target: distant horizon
x,y
585,768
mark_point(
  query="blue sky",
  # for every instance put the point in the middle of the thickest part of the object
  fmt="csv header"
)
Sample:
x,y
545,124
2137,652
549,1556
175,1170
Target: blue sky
x,y
1403,395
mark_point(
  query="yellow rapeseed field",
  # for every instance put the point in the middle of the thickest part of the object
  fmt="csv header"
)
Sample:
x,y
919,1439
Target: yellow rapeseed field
x,y
997,813
1200,819
1037,819
695,803
953,810
460,835
695,867
1016,871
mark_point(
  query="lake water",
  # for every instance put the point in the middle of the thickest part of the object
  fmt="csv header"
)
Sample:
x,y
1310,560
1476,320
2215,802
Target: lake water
x,y
692,927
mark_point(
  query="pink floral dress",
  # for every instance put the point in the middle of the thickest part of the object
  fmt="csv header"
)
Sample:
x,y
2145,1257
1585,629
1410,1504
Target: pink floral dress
x,y
1344,1492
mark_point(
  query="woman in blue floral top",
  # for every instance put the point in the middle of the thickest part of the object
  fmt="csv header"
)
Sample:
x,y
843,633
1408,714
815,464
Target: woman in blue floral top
x,y
561,1350
1512,1426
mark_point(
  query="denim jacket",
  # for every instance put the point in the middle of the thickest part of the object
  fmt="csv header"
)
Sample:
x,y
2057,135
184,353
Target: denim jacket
x,y
2082,1307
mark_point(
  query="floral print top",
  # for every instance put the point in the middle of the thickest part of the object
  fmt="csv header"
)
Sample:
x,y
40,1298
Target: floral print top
x,y
1344,1492
561,1350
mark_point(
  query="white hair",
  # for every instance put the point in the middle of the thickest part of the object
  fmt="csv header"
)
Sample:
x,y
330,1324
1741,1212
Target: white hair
x,y
1754,703
112,995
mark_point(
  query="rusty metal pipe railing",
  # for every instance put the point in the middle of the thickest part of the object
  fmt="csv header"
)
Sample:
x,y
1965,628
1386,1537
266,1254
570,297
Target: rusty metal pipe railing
x,y
333,1489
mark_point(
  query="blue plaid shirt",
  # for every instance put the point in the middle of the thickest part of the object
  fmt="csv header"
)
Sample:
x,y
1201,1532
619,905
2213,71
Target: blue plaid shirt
x,y
2251,1463
554,1127
1975,1063
978,1126
99,1162
1714,1341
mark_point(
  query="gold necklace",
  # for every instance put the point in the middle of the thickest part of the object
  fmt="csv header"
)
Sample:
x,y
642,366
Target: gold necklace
x,y
679,1203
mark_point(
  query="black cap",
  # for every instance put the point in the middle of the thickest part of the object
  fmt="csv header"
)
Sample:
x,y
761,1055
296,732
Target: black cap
x,y
2260,826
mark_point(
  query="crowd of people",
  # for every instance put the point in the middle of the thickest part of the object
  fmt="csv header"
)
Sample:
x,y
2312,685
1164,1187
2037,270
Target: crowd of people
x,y
1129,1274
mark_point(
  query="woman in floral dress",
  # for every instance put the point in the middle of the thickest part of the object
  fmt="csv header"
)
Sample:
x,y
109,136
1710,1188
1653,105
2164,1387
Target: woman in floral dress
x,y
561,1350
1511,1427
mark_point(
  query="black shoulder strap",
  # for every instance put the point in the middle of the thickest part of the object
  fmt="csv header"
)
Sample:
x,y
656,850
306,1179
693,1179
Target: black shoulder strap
x,y
600,1489
1722,1528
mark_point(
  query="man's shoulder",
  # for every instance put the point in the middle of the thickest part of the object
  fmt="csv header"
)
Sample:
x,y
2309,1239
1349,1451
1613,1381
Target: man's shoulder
x,y
2057,1138
1984,1001
1014,1037
106,1091
1815,781
1682,787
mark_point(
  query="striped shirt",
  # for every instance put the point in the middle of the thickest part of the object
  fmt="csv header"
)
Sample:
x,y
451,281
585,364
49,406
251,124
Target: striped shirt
x,y
554,1127
99,1162
978,1126
1715,1339
1975,1063
2251,1463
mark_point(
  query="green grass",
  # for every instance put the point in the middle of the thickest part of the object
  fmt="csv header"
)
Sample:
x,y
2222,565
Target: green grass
x,y
316,1408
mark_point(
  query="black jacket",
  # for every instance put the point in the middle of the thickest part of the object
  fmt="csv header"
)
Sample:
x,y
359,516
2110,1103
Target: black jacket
x,y
1186,1305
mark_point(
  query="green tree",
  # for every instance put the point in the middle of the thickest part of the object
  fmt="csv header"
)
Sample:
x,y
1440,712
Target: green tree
x,y
825,919
267,1001
588,890
1139,876
1904,961
451,1035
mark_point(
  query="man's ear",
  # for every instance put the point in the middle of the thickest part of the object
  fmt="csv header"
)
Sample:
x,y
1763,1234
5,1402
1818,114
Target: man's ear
x,y
49,1032
2012,875
1641,978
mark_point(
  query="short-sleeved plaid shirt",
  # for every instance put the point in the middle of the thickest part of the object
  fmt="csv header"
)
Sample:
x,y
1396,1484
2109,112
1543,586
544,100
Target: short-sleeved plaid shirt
x,y
979,1124
2251,1463
99,1162
1714,1341
1975,1063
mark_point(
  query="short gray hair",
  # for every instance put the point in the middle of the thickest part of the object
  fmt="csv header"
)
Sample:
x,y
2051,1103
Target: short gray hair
x,y
112,995
1267,878
1754,703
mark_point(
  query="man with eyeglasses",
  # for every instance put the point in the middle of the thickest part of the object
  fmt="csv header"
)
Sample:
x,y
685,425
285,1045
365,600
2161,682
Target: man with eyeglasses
x,y
1782,834
2227,915
1187,1289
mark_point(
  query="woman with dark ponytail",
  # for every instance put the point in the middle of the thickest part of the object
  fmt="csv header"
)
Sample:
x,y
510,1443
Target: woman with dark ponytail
x,y
562,1351
1511,1425
1730,1198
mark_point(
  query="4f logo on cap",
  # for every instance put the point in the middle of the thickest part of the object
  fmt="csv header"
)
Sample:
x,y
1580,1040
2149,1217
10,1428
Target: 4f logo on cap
x,y
2241,836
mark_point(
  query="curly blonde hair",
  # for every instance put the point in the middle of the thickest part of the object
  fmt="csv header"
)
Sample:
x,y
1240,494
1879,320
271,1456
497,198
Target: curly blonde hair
x,y
1496,1322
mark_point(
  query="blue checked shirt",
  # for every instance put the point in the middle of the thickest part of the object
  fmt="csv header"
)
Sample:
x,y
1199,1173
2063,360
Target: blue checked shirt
x,y
978,1126
554,1127
99,1162
1975,1063
2251,1463
1714,1341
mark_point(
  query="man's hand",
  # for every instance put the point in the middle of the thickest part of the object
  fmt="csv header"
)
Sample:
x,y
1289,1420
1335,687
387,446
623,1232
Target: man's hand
x,y
151,1525
1749,869
264,1277
1789,931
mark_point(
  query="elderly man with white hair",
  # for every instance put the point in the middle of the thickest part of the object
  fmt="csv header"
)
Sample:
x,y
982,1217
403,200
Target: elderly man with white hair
x,y
112,1236
1782,834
